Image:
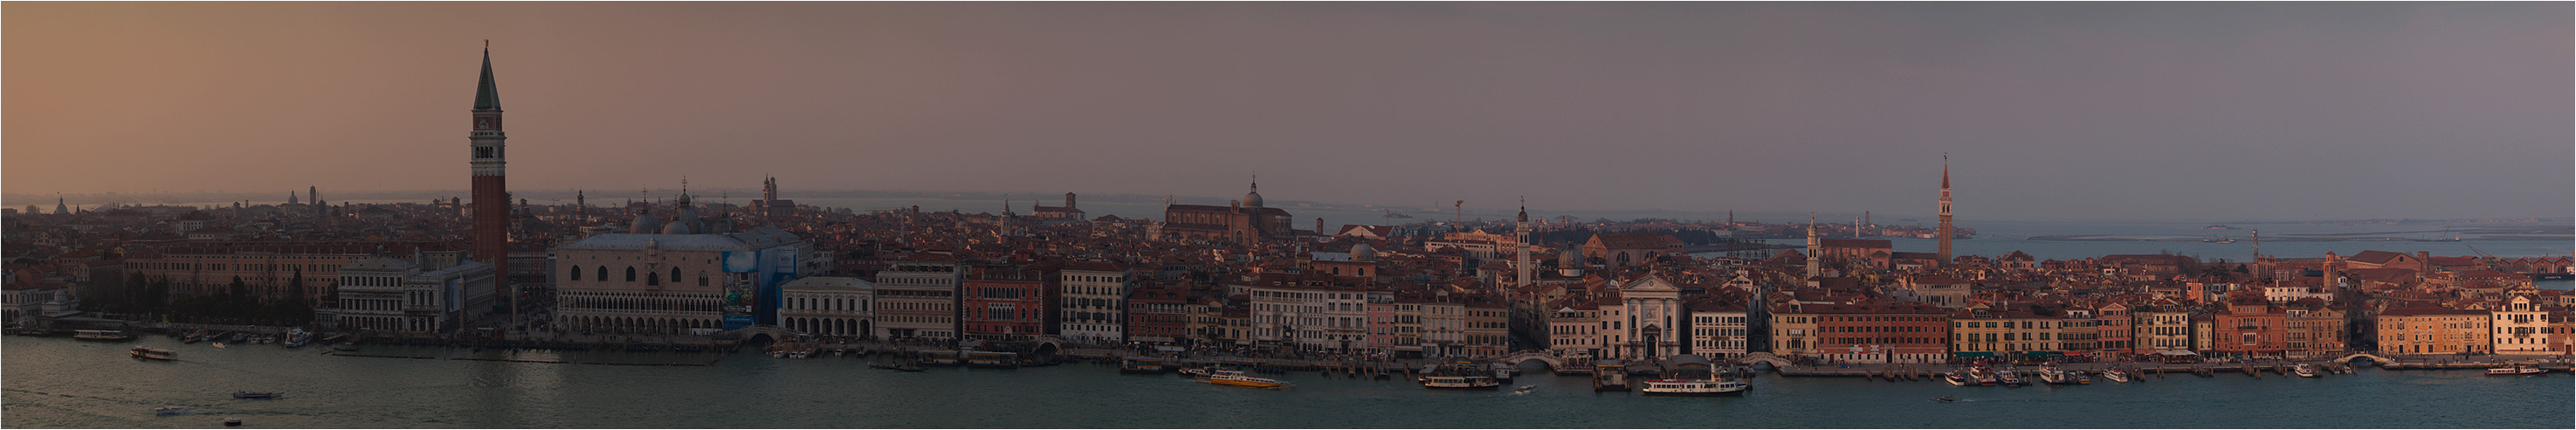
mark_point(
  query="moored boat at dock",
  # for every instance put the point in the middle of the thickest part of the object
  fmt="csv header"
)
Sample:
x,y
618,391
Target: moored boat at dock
x,y
2008,378
2305,370
1461,375
992,359
103,335
1142,365
297,337
942,358
907,367
2518,369
2115,374
1957,379
2052,376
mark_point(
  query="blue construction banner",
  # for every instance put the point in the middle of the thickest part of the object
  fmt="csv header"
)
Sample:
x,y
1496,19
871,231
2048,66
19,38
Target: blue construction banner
x,y
741,261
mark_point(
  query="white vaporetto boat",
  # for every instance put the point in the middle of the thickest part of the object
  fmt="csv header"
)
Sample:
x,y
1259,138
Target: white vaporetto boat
x,y
1237,378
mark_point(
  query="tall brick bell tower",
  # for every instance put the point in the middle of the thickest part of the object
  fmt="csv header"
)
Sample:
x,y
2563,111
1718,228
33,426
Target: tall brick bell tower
x,y
491,196
1945,206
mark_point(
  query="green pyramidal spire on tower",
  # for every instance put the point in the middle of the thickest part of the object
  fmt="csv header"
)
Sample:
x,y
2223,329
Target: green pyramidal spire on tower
x,y
485,95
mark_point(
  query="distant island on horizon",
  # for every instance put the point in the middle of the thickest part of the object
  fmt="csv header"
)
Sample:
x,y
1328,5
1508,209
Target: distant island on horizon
x,y
549,196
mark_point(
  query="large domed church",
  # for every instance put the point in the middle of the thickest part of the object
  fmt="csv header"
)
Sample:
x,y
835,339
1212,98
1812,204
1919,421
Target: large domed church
x,y
1244,221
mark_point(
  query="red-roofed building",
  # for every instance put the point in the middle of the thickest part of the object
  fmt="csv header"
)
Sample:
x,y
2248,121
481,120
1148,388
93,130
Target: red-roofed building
x,y
1874,253
1059,213
1158,312
1244,221
1619,250
2251,327
2433,330
2562,332
1904,332
1718,330
1005,303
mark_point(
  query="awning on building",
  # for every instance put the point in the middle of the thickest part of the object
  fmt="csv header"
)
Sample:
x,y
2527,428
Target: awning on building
x,y
1972,354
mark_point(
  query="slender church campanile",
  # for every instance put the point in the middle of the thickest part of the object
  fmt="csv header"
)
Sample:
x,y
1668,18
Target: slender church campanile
x,y
1945,209
1522,261
1815,252
491,196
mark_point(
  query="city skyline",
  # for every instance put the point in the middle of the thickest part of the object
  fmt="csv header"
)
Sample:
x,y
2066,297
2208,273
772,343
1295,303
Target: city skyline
x,y
1481,102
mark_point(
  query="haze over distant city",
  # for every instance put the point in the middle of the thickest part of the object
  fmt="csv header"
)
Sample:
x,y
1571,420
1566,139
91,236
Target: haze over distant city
x,y
2046,110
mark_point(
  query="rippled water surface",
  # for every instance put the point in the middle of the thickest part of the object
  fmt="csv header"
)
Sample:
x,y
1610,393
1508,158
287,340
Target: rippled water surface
x,y
55,382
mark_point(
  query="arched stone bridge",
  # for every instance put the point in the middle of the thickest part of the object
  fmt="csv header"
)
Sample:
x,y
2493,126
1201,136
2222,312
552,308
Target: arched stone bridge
x,y
1553,362
2383,361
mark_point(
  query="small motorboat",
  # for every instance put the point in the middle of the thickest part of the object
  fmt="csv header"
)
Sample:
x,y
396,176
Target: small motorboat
x,y
257,395
1525,389
2009,378
1945,399
169,410
2052,376
2080,378
297,337
2305,370
2115,375
1957,379
232,422
219,344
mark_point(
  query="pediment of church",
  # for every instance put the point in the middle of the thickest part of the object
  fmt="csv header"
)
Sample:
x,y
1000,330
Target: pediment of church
x,y
1650,283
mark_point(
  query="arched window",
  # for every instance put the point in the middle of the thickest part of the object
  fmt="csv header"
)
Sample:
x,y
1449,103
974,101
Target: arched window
x,y
654,278
675,274
702,278
630,273
603,273
576,273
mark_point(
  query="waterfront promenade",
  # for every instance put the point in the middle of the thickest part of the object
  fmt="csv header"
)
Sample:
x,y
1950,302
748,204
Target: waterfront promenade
x,y
696,349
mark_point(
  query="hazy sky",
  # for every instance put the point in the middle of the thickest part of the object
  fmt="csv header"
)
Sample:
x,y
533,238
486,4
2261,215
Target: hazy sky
x,y
2084,111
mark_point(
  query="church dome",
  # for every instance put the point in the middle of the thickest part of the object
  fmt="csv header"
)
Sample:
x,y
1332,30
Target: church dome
x,y
1252,199
677,228
1363,253
1571,258
687,220
644,224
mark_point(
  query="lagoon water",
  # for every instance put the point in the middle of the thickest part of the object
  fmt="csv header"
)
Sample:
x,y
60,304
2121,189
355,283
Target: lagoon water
x,y
57,382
